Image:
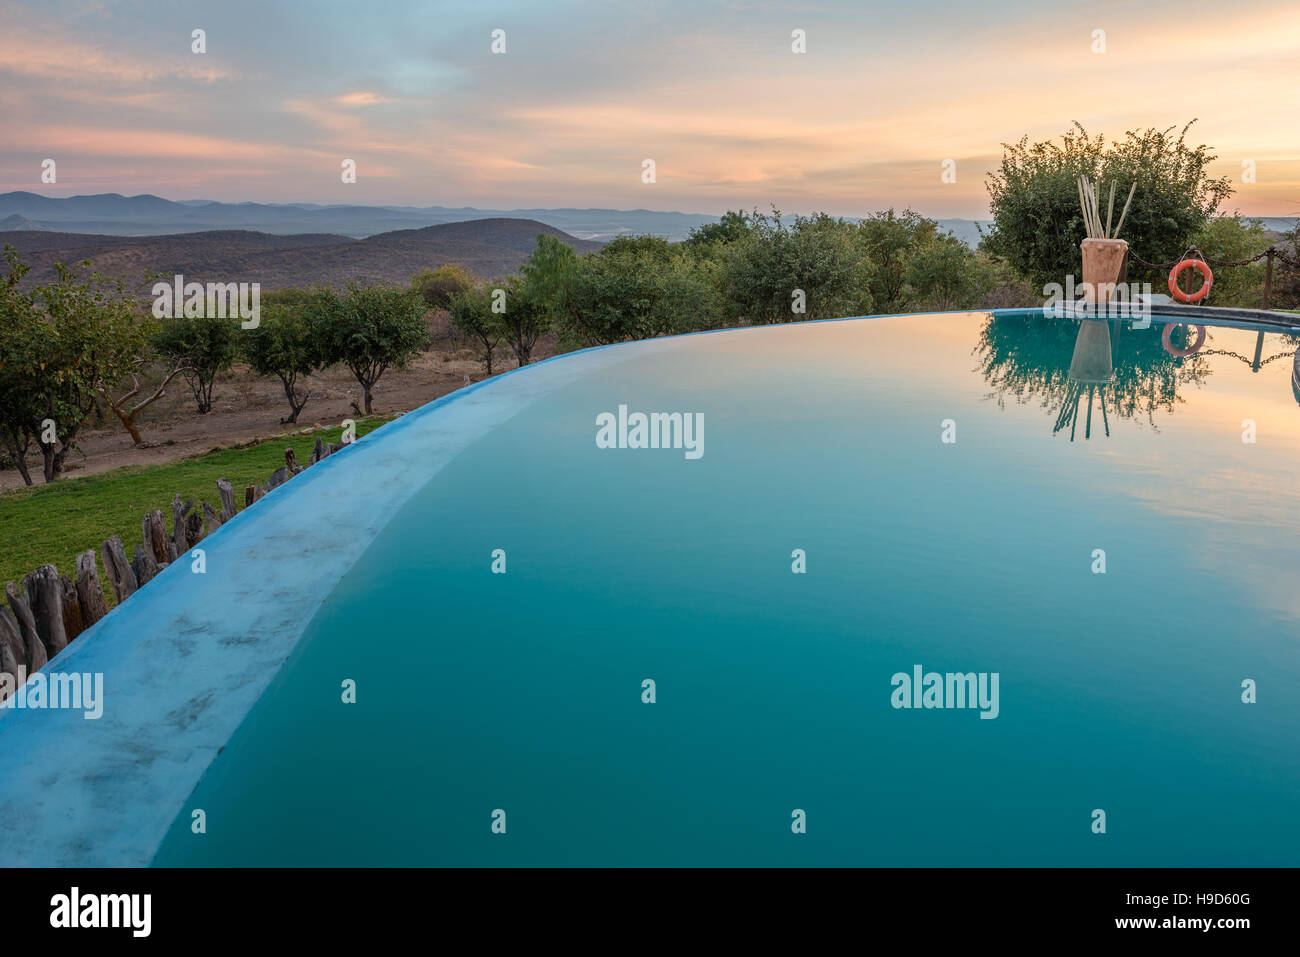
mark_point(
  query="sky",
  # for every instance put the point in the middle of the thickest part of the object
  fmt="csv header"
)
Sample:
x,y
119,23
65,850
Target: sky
x,y
585,93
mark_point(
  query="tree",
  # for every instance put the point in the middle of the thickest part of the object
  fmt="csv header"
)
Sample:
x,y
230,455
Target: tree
x,y
471,313
816,262
947,274
732,227
1037,223
549,273
891,242
59,344
283,344
438,286
120,405
1285,293
204,346
20,346
525,317
1232,239
638,293
370,330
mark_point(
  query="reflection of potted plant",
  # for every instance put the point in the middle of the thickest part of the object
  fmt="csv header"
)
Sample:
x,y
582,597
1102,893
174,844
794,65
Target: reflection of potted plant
x,y
1091,362
1103,251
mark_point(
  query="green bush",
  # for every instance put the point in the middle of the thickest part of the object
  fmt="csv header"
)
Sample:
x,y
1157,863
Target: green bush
x,y
285,344
471,313
207,345
370,330
1037,223
763,272
438,286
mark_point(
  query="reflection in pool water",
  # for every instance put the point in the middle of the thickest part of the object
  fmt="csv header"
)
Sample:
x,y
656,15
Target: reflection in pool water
x,y
1114,366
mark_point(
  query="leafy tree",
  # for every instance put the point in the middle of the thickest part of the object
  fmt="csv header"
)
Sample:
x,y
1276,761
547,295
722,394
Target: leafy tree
x,y
891,241
471,313
763,272
638,293
1037,223
438,286
947,274
1232,239
59,344
707,238
525,318
548,274
139,352
284,344
1285,293
204,346
20,351
370,330
647,247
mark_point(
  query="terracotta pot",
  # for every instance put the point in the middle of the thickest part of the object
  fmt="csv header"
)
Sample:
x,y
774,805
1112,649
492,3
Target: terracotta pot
x,y
1102,259
1092,362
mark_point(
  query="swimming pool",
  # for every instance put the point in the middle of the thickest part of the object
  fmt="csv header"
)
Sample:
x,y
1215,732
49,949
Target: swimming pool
x,y
1070,513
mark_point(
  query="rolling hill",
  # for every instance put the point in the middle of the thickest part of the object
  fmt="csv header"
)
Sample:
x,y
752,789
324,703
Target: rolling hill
x,y
489,248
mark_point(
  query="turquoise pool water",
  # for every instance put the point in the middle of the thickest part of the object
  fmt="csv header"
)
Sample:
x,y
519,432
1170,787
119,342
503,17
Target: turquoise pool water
x,y
774,692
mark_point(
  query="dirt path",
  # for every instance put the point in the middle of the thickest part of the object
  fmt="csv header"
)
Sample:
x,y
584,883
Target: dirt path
x,y
246,408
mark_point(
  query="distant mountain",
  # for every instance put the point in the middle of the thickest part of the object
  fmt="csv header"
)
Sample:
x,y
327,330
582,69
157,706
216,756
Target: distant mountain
x,y
967,230
111,214
489,247
15,223
116,215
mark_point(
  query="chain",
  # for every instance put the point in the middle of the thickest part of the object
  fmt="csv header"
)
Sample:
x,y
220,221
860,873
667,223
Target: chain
x,y
1249,362
1213,262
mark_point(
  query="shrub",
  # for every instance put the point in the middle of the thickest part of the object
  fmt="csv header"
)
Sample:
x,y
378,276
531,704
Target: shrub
x,y
471,313
763,271
205,345
437,286
1037,223
285,344
370,330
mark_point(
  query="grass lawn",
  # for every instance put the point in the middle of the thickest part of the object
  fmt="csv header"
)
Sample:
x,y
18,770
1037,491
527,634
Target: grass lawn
x,y
55,523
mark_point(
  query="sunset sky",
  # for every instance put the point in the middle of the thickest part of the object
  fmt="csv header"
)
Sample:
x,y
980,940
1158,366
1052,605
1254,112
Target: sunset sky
x,y
711,91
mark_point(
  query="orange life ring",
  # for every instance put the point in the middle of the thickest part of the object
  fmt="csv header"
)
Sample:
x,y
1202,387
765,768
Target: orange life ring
x,y
1180,353
1203,268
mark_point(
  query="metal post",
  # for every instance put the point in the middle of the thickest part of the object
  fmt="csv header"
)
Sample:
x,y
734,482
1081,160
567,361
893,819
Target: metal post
x,y
1268,277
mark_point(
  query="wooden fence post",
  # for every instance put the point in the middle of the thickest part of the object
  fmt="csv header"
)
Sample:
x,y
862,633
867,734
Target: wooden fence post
x,y
89,591
155,536
179,544
227,500
32,645
210,518
144,566
118,569
11,635
193,526
72,623
45,596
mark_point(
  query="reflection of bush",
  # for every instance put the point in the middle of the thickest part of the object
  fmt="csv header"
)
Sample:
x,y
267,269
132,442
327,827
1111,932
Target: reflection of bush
x,y
1027,357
